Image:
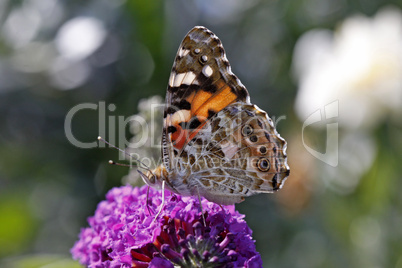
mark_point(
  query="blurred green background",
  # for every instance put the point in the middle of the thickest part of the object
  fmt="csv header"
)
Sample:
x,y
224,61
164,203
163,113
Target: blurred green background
x,y
57,54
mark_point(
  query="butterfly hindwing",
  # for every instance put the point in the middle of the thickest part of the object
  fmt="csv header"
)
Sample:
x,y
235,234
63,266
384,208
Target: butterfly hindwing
x,y
237,153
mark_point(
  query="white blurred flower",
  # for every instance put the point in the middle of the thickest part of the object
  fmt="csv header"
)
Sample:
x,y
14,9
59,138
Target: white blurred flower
x,y
77,39
146,127
360,64
80,37
357,152
21,26
66,74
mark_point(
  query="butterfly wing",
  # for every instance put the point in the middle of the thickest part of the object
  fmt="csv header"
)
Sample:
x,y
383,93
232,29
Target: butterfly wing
x,y
201,84
215,142
237,153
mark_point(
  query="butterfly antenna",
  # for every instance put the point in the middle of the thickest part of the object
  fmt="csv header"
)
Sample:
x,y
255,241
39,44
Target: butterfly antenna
x,y
124,152
111,162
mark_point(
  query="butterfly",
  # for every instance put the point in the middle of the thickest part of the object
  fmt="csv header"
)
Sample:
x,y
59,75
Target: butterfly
x,y
215,143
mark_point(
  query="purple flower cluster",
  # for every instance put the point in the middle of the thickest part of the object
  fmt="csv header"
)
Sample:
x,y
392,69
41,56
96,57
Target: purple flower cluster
x,y
123,233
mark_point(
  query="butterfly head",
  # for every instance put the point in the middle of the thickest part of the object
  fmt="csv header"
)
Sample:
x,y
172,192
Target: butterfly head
x,y
154,177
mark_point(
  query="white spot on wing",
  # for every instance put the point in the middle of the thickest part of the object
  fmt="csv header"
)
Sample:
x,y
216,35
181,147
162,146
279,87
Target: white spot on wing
x,y
183,52
178,117
188,78
178,79
207,71
239,82
224,57
171,79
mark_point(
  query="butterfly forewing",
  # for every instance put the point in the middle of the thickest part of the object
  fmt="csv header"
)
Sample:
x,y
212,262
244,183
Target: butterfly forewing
x,y
200,85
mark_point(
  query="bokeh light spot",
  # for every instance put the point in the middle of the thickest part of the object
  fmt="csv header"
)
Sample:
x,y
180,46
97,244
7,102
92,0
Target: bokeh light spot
x,y
80,37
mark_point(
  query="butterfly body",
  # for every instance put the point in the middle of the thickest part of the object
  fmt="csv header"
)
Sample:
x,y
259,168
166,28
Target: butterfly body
x,y
215,143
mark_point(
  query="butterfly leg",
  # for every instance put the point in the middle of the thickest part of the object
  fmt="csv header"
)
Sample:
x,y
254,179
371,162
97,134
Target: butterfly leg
x,y
149,210
163,200
202,211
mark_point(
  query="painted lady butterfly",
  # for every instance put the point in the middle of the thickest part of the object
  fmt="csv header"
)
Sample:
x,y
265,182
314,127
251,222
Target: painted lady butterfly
x,y
215,143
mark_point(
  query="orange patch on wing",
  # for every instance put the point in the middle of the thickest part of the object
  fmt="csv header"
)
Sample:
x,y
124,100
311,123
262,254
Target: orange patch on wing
x,y
199,99
201,103
216,103
179,137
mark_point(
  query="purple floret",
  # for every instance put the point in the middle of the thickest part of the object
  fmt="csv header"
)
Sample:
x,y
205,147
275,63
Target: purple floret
x,y
123,233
